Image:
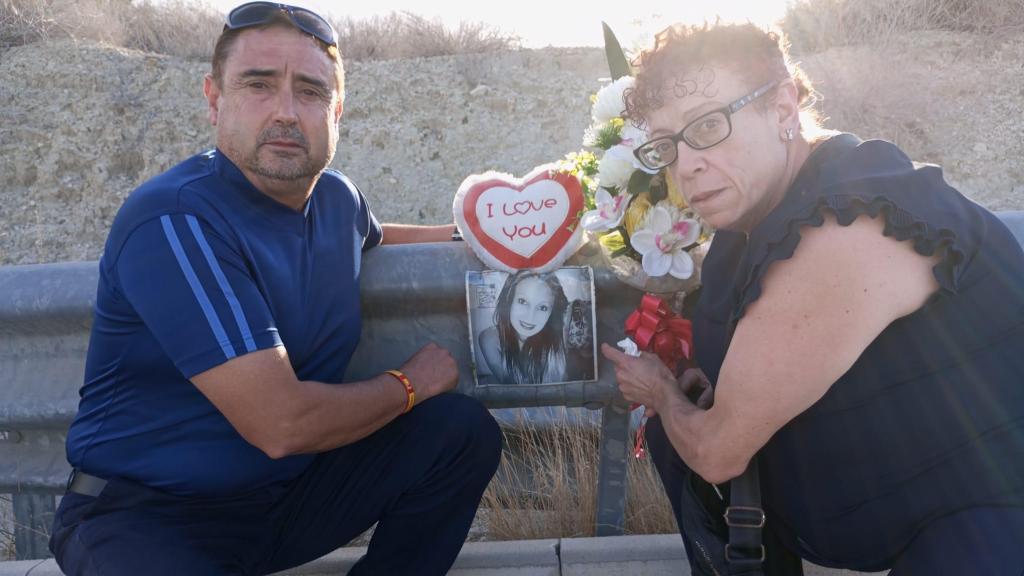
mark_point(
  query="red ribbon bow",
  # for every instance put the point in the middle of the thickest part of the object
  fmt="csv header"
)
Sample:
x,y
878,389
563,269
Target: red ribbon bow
x,y
656,328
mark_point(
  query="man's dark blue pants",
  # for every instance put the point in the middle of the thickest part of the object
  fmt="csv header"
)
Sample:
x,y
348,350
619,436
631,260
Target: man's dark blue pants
x,y
420,478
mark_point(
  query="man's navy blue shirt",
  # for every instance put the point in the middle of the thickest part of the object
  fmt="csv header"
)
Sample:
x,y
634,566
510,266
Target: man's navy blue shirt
x,y
201,267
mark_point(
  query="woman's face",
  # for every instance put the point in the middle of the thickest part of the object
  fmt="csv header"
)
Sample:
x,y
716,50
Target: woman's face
x,y
735,183
531,307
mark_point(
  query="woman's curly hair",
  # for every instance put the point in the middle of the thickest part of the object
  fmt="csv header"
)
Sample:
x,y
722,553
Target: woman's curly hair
x,y
682,54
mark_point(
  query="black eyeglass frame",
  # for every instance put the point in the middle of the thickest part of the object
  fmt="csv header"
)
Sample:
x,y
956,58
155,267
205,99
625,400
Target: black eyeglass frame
x,y
727,111
321,28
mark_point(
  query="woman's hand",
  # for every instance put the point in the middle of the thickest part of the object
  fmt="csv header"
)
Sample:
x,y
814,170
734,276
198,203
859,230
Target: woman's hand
x,y
642,379
697,388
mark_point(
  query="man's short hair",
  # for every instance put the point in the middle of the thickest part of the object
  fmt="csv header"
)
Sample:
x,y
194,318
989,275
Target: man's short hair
x,y
227,38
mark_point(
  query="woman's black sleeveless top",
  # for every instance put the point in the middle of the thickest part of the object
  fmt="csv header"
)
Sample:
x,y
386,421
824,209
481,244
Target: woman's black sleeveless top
x,y
930,419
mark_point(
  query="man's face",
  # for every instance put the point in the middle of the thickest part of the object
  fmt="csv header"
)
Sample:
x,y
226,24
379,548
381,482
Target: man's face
x,y
277,107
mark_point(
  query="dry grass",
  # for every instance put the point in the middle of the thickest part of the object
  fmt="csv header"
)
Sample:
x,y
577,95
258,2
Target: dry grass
x,y
181,28
188,29
546,487
407,35
816,25
6,529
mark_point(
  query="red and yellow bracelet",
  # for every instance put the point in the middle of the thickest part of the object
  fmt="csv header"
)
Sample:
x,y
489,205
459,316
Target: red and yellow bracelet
x,y
409,391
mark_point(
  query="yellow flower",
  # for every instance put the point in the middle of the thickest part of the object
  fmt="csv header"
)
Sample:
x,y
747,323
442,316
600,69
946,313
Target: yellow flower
x,y
613,241
635,213
674,194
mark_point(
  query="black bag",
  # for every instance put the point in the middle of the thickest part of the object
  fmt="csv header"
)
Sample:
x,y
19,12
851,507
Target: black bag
x,y
727,540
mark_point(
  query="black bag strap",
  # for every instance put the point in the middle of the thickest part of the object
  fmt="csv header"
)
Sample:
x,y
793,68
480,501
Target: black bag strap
x,y
744,552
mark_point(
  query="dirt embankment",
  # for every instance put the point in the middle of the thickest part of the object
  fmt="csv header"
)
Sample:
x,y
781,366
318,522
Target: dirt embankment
x,y
83,124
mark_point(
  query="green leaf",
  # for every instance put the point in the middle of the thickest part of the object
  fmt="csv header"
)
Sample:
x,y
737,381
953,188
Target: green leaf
x,y
624,247
608,134
618,65
639,182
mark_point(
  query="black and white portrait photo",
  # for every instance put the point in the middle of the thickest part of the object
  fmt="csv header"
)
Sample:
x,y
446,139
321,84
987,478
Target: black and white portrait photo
x,y
532,328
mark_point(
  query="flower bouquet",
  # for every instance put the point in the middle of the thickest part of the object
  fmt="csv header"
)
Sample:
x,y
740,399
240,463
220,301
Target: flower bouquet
x,y
648,234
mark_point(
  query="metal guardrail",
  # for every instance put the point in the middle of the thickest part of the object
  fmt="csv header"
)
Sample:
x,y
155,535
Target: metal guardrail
x,y
410,295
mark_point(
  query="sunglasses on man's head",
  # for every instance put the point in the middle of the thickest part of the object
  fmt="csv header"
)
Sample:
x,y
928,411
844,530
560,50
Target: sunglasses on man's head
x,y
258,13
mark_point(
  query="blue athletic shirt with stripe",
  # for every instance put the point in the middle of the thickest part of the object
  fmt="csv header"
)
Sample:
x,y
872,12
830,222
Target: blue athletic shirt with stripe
x,y
201,267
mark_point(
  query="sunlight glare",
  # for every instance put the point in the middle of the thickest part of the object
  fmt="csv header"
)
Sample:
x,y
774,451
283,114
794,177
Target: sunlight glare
x,y
541,23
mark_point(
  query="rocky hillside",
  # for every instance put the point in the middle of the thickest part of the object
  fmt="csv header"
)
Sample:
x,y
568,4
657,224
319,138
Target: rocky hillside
x,y
82,124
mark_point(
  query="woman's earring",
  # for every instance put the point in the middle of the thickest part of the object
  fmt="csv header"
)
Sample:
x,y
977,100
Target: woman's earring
x,y
789,134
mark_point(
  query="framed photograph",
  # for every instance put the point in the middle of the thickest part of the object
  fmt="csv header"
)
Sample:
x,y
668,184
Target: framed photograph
x,y
532,328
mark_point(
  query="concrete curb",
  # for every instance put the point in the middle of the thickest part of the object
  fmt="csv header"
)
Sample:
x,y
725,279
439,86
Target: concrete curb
x,y
617,555
660,555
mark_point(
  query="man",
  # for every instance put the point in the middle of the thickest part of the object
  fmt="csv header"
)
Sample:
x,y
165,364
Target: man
x,y
211,436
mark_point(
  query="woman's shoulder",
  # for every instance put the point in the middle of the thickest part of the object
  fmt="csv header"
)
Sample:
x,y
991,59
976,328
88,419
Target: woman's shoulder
x,y
488,335
490,350
847,178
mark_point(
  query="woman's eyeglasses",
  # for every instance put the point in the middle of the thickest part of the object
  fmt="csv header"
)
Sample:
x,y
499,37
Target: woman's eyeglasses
x,y
257,13
706,131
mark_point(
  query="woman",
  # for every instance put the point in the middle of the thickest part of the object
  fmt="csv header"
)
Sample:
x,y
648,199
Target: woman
x,y
862,324
526,345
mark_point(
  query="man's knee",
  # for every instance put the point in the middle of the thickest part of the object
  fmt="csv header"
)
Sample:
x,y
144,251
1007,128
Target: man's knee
x,y
463,421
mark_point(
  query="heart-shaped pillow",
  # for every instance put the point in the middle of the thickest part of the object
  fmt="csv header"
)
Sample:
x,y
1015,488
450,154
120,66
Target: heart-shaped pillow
x,y
521,223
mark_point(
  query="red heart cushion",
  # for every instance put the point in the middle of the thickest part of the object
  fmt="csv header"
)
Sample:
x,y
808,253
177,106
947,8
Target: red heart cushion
x,y
515,224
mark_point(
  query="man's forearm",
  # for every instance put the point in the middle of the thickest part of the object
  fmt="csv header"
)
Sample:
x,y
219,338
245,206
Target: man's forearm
x,y
333,415
413,234
282,415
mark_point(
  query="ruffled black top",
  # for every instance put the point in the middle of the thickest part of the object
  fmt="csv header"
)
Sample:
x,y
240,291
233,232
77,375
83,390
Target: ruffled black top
x,y
930,419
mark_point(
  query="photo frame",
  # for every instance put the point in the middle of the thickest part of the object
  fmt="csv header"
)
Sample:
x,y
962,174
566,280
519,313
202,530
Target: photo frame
x,y
532,328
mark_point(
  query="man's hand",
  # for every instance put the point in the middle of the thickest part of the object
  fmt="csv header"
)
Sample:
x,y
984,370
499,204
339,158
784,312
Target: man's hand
x,y
431,371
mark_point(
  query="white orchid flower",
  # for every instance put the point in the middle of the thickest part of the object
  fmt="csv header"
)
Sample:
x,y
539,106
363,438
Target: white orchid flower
x,y
609,102
663,244
608,214
616,167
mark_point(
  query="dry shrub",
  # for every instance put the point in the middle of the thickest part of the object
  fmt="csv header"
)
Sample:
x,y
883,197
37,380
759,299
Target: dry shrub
x,y
183,28
546,486
180,28
27,21
816,25
407,35
188,29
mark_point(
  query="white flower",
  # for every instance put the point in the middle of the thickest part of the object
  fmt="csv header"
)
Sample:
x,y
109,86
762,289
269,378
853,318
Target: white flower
x,y
663,243
591,134
632,138
609,212
609,102
616,167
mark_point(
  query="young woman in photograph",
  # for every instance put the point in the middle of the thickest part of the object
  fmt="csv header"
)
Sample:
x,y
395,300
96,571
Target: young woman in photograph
x,y
526,344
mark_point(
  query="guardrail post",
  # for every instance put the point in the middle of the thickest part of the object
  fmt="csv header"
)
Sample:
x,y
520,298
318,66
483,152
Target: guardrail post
x,y
611,474
33,514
